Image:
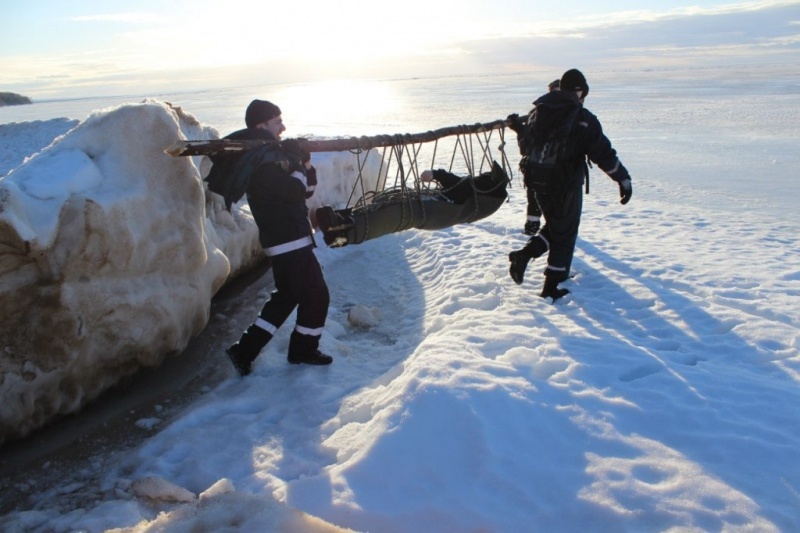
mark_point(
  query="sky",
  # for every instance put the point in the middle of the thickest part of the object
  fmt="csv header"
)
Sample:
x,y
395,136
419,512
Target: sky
x,y
660,395
92,48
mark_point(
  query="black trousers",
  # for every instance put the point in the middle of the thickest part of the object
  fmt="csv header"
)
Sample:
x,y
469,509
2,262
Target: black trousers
x,y
299,283
562,214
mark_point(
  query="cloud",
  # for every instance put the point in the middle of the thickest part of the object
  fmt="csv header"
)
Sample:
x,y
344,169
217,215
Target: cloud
x,y
236,47
592,23
681,37
141,17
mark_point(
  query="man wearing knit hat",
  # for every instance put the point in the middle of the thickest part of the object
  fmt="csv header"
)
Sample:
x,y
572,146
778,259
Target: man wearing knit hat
x,y
278,177
533,213
562,205
260,112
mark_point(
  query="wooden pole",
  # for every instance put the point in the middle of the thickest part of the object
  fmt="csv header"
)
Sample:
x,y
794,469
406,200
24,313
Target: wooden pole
x,y
228,146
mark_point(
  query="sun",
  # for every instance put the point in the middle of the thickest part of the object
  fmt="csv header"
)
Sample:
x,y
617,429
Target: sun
x,y
337,107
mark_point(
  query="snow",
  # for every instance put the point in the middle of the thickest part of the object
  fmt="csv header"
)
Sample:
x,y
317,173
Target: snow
x,y
113,253
661,394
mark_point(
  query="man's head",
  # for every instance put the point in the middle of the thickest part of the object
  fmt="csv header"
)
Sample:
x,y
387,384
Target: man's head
x,y
264,115
574,80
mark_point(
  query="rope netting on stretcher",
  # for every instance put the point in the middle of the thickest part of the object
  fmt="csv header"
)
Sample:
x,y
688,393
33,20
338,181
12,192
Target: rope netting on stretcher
x,y
466,151
397,196
400,199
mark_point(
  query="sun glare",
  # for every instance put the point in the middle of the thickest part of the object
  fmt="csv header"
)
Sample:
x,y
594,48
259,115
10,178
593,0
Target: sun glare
x,y
345,103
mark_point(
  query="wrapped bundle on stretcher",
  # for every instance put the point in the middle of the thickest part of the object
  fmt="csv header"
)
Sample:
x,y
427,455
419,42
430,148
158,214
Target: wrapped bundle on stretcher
x,y
454,200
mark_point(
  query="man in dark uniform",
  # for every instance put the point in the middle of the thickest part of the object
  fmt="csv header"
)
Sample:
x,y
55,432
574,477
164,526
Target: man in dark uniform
x,y
277,187
533,214
562,208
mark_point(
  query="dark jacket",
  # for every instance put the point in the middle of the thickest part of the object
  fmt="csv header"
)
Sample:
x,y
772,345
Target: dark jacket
x,y
277,187
591,142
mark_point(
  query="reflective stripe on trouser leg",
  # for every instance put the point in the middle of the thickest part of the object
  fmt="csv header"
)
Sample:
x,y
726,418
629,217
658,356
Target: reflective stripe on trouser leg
x,y
315,332
266,326
558,272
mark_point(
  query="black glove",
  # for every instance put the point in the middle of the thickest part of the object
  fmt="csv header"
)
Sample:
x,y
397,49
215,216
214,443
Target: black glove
x,y
625,191
532,227
311,181
295,150
513,122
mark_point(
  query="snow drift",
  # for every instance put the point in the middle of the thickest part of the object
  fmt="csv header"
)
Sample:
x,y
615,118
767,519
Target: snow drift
x,y
110,253
104,267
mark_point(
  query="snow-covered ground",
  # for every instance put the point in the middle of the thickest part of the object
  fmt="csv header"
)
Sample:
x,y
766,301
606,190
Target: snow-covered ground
x,y
661,394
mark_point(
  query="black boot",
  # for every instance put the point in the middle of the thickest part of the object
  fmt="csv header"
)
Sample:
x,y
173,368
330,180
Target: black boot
x,y
519,262
243,353
551,290
303,349
536,247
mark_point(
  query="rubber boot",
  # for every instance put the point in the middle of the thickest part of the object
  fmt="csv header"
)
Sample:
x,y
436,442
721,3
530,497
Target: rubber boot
x,y
244,352
551,290
303,349
519,262
536,247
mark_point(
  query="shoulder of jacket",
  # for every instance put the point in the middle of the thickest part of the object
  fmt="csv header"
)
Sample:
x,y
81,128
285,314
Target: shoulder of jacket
x,y
588,115
587,119
248,134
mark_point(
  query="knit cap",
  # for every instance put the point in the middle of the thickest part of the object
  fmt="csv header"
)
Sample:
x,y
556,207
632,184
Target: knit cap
x,y
260,111
574,80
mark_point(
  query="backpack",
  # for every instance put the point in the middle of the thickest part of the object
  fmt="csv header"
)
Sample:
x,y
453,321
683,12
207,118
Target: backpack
x,y
221,169
549,155
230,173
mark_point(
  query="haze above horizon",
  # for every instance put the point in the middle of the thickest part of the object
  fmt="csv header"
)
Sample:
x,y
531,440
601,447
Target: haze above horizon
x,y
88,48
